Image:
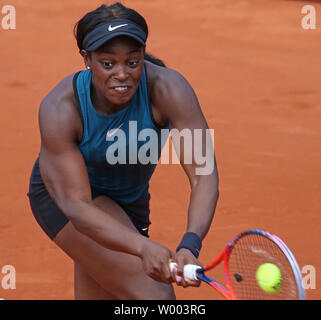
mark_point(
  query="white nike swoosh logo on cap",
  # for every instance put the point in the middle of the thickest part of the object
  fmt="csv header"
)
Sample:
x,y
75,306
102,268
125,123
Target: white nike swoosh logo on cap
x,y
111,132
110,28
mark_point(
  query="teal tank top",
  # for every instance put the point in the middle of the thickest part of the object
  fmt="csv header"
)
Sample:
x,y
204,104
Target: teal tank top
x,y
121,150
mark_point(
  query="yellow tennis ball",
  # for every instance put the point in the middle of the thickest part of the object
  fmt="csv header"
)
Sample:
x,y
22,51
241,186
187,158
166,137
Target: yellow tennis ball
x,y
269,278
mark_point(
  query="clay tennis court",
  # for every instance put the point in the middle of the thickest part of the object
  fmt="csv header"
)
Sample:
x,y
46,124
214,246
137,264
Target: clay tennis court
x,y
257,74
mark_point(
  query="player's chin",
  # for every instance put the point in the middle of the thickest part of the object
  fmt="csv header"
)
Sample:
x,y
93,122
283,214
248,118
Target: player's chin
x,y
121,102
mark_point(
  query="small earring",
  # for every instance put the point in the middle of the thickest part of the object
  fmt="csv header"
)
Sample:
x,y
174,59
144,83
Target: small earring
x,y
88,68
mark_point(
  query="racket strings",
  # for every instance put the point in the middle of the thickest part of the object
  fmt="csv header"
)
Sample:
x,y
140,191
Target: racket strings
x,y
251,251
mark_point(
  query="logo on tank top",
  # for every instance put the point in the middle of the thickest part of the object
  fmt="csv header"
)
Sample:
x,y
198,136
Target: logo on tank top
x,y
112,132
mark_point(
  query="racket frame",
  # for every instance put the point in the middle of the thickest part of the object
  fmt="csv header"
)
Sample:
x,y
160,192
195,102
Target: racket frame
x,y
228,292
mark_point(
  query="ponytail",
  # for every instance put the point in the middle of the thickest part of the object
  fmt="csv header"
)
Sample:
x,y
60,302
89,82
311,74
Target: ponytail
x,y
149,57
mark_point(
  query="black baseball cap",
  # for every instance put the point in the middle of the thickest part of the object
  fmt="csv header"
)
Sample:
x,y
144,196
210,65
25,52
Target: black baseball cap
x,y
106,31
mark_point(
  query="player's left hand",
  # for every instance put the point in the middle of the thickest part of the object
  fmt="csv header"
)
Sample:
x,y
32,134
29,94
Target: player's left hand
x,y
183,257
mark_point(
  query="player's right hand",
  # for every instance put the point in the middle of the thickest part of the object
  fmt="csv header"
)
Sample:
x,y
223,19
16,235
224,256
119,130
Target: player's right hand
x,y
155,258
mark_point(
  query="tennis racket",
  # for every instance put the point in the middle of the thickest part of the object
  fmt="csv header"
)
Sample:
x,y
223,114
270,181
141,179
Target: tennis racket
x,y
241,258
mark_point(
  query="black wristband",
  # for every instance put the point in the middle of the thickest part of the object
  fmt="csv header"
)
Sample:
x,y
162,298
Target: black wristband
x,y
192,242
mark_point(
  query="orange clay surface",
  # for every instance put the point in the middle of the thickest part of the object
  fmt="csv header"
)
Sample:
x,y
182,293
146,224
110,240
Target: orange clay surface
x,y
257,75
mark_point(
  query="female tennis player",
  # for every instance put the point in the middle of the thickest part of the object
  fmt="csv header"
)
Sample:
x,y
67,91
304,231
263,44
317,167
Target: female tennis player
x,y
97,209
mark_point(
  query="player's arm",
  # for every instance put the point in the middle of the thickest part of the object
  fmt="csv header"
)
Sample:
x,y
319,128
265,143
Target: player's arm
x,y
64,173
178,102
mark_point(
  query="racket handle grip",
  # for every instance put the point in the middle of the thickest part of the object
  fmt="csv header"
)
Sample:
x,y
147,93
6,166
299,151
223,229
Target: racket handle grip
x,y
189,271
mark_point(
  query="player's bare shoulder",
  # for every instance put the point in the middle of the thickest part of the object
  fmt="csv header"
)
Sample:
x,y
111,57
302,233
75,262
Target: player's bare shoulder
x,y
60,98
169,90
58,109
163,80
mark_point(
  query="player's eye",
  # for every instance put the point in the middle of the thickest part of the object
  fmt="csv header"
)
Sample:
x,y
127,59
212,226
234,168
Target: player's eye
x,y
133,63
107,64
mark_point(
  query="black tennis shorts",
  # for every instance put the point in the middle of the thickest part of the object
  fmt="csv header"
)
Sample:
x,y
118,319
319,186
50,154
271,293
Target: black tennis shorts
x,y
51,219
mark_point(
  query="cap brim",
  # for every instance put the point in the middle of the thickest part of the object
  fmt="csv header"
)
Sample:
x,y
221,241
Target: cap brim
x,y
108,37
